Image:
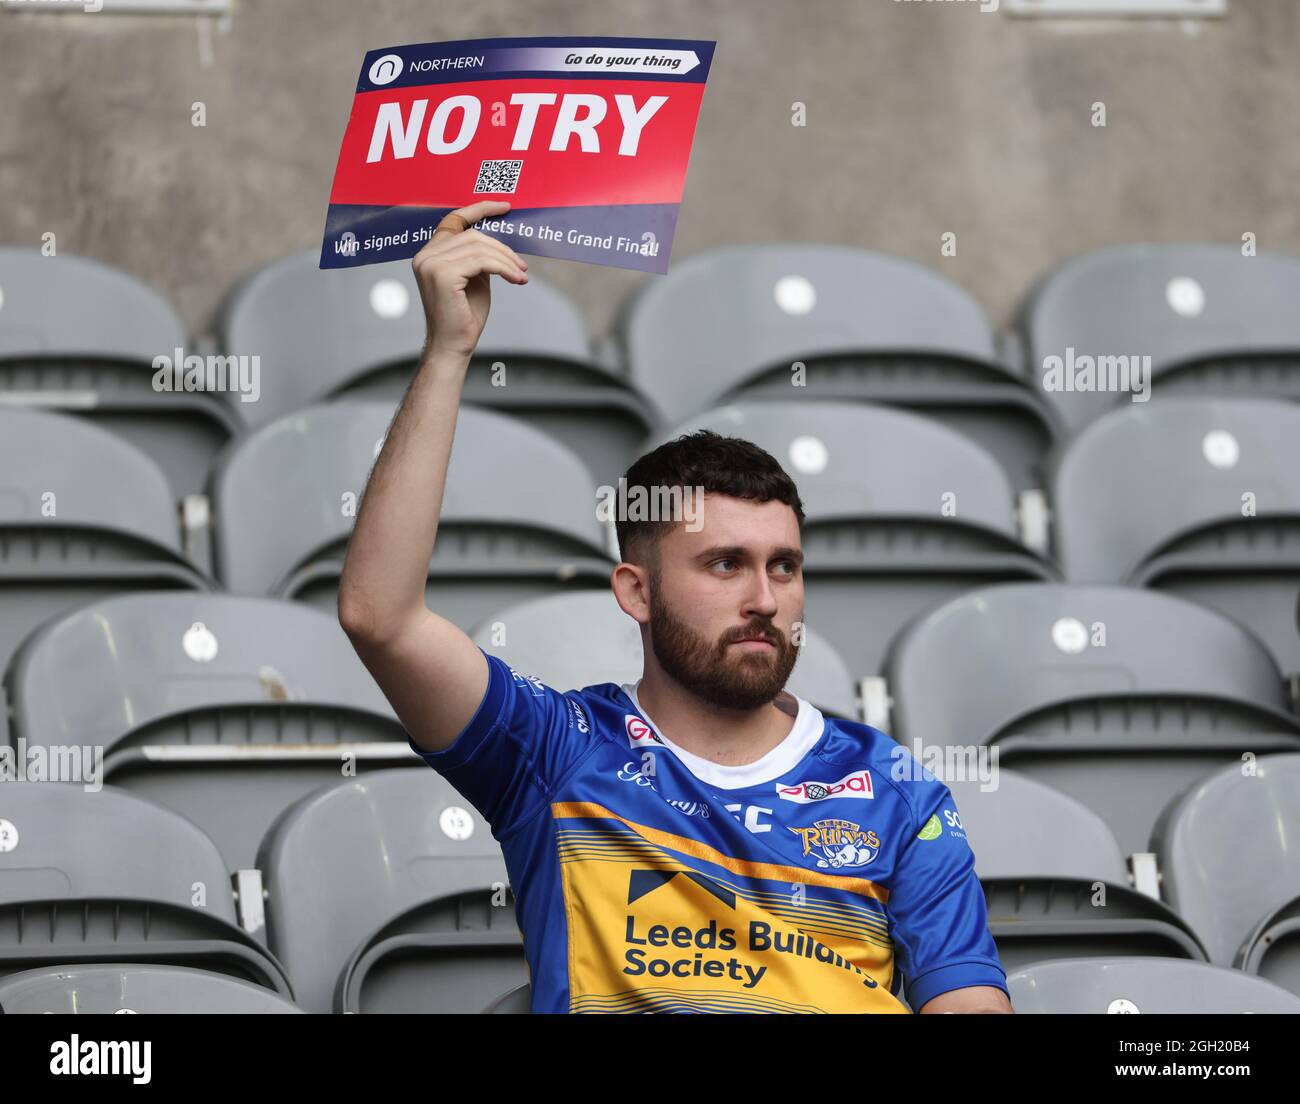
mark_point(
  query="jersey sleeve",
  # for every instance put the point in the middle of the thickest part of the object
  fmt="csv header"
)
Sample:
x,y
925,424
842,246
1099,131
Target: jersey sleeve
x,y
522,740
940,922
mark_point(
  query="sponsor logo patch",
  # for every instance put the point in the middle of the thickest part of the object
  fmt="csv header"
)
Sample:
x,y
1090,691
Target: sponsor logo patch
x,y
639,734
839,844
857,784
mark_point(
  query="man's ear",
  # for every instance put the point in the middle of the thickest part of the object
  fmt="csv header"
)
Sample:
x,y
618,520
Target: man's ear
x,y
630,582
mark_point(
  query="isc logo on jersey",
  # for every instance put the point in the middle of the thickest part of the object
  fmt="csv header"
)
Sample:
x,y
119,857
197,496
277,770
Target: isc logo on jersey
x,y
857,784
533,683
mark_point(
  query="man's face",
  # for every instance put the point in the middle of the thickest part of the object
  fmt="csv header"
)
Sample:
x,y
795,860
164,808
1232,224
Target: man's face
x,y
724,601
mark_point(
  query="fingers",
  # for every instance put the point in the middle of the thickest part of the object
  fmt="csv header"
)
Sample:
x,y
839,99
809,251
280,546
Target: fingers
x,y
478,238
461,252
445,238
476,262
473,260
451,247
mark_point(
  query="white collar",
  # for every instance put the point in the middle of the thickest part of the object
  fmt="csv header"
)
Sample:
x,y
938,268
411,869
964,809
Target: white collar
x,y
806,731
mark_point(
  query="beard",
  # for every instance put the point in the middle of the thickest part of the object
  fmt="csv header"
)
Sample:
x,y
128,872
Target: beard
x,y
715,672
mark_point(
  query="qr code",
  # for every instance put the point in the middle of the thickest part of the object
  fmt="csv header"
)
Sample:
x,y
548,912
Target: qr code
x,y
498,176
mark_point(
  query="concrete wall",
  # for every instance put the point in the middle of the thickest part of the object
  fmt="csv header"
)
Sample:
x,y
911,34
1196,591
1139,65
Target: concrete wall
x,y
922,117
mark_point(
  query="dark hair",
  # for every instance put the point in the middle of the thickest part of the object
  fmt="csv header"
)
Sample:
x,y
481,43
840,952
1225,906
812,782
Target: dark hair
x,y
720,465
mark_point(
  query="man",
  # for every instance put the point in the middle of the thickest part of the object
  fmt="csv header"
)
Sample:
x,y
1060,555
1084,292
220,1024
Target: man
x,y
702,841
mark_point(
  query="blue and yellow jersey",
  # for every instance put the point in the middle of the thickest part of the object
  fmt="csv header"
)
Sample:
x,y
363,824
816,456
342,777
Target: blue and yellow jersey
x,y
821,878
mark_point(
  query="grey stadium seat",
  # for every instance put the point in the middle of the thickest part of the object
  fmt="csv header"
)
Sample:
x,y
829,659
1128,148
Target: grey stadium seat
x,y
1231,867
1212,321
731,322
1195,496
1119,697
163,990
519,514
389,894
83,514
225,709
516,1001
582,639
902,514
79,336
1041,857
1142,985
102,876
1273,948
358,333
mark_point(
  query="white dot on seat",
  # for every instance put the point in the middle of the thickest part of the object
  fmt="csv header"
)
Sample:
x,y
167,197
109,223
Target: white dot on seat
x,y
199,643
808,455
389,299
795,294
1185,296
1070,635
1220,448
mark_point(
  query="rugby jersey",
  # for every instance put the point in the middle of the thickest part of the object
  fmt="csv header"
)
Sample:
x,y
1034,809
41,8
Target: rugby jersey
x,y
822,878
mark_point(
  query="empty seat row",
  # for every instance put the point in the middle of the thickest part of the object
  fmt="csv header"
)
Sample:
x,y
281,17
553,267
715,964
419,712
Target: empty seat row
x,y
222,708
1061,986
1224,885
226,708
81,337
382,893
1116,696
1129,986
84,515
903,513
796,322
287,497
100,988
388,893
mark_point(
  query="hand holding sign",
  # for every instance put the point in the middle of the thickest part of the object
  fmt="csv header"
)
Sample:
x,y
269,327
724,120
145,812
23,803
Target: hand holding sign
x,y
453,270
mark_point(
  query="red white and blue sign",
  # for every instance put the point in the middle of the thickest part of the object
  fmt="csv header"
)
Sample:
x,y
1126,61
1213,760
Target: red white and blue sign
x,y
588,139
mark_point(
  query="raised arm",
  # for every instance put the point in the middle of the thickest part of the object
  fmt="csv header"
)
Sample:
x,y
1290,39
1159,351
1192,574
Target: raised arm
x,y
433,673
